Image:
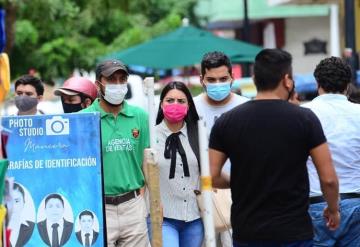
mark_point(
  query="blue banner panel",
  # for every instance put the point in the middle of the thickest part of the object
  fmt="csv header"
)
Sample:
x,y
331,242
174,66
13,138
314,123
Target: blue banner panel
x,y
55,161
2,30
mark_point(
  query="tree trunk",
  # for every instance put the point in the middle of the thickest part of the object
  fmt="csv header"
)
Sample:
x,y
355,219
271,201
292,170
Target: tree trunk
x,y
10,18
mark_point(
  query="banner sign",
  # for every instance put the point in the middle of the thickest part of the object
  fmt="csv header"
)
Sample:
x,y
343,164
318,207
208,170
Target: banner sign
x,y
56,199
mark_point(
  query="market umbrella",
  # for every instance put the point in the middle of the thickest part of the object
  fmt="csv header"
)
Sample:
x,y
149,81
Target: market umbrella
x,y
184,47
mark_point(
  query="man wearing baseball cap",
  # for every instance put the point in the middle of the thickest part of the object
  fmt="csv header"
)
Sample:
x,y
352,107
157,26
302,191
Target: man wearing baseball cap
x,y
76,94
125,135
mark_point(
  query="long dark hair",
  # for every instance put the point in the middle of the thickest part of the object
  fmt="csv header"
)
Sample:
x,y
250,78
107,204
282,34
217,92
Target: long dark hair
x,y
191,118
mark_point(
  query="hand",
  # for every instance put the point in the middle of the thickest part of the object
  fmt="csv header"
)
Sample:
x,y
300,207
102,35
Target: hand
x,y
332,219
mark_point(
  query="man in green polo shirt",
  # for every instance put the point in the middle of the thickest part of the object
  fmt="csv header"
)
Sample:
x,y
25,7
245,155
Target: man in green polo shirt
x,y
125,135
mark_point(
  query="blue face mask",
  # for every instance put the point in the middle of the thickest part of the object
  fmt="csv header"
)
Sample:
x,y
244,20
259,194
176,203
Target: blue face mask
x,y
218,91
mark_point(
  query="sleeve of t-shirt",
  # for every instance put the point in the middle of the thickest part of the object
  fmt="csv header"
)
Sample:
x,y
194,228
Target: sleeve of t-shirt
x,y
144,141
146,136
216,136
316,134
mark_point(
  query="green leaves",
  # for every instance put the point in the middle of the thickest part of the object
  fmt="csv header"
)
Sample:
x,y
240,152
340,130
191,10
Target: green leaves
x,y
57,36
25,33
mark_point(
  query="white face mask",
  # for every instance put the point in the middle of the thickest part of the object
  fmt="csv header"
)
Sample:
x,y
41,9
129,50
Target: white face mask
x,y
115,93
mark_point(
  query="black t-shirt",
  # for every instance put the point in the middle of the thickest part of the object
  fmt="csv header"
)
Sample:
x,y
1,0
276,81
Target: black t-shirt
x,y
268,143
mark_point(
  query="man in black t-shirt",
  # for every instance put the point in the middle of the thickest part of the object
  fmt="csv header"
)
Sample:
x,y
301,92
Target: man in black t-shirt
x,y
268,141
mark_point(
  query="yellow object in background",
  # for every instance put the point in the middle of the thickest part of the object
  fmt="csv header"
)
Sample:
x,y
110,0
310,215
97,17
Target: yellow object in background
x,y
2,218
4,76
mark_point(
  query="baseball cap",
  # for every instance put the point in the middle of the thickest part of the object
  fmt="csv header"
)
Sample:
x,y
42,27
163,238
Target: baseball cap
x,y
108,67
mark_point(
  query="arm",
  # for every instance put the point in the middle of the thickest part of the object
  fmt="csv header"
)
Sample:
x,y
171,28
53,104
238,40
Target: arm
x,y
328,182
217,160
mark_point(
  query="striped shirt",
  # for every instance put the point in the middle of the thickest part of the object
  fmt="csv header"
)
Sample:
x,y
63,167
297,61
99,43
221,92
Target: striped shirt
x,y
177,194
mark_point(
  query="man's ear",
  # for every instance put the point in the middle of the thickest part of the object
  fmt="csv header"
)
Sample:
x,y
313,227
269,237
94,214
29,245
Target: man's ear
x,y
87,102
202,81
40,97
287,82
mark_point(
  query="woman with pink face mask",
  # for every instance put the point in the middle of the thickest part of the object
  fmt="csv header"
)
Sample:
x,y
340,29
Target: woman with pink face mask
x,y
178,155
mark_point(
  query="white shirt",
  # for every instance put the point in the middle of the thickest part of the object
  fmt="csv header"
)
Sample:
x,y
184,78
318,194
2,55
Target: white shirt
x,y
210,113
340,120
177,194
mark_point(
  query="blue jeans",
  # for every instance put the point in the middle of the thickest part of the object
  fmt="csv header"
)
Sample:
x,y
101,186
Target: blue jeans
x,y
302,243
348,233
178,233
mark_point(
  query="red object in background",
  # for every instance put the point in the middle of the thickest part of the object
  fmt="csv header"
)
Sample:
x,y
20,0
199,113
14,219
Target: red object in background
x,y
7,236
237,71
280,32
4,139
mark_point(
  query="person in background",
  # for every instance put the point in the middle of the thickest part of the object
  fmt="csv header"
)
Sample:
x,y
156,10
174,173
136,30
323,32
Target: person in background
x,y
353,93
76,94
216,78
268,141
125,135
178,148
340,120
29,90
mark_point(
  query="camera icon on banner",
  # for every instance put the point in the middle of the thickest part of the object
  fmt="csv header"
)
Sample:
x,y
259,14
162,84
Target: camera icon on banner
x,y
57,126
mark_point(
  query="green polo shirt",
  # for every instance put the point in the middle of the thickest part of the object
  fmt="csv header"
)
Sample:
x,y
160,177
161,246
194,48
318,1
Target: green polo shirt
x,y
123,139
3,169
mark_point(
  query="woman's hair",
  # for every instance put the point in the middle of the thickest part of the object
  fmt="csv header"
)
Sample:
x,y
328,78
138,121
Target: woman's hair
x,y
191,118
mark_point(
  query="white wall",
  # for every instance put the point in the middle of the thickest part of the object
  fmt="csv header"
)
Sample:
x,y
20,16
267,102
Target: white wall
x,y
302,29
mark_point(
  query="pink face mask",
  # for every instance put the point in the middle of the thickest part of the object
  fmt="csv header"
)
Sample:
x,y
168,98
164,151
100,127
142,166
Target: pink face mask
x,y
175,113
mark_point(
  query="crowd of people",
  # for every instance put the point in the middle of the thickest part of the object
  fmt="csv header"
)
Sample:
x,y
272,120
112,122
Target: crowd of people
x,y
293,169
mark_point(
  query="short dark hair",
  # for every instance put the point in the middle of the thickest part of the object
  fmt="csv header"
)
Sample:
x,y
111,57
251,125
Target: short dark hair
x,y
86,212
215,59
353,93
333,75
54,196
17,187
33,81
271,65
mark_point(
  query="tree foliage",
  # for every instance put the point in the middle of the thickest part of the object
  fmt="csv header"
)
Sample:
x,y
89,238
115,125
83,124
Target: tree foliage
x,y
57,36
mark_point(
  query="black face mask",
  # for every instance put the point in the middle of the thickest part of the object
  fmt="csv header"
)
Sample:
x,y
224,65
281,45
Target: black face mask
x,y
69,108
